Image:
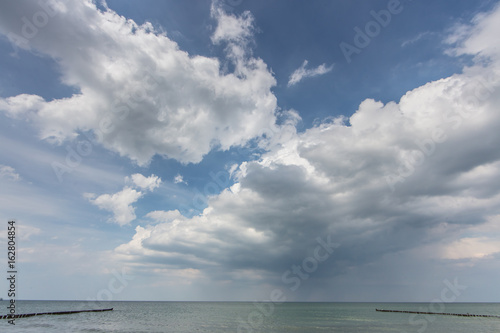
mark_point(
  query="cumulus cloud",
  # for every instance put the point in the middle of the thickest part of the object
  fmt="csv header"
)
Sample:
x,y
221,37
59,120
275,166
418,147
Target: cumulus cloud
x,y
8,172
137,91
479,38
179,179
146,183
301,73
386,180
230,27
120,203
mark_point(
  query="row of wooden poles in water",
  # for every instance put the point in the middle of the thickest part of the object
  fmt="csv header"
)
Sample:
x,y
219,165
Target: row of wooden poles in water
x,y
15,316
102,310
439,313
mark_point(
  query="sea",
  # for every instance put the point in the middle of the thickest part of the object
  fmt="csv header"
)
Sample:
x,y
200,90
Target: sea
x,y
218,317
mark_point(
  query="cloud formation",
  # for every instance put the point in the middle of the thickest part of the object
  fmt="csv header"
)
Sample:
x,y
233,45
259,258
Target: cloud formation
x,y
146,183
478,38
120,203
415,177
179,179
138,93
424,170
301,73
8,172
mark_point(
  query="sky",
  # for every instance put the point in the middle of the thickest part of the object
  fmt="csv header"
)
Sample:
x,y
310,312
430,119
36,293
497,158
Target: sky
x,y
234,150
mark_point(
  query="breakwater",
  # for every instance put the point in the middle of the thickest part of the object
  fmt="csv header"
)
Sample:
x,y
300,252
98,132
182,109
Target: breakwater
x,y
15,316
440,313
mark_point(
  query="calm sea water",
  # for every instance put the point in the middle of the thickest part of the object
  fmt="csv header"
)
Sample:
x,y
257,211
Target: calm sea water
x,y
216,317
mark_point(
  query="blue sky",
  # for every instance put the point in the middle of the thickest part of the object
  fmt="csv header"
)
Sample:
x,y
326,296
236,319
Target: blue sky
x,y
203,150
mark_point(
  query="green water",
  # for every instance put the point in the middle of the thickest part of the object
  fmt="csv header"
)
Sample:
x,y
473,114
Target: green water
x,y
245,317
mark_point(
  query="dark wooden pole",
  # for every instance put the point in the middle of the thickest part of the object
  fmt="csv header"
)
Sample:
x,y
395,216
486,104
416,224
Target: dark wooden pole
x,y
50,313
439,313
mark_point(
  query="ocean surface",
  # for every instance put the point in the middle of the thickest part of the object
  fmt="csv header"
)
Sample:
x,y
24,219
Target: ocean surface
x,y
215,317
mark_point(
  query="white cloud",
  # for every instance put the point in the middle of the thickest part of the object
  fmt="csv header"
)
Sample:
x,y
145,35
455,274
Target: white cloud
x,y
19,105
138,92
230,27
8,172
301,73
471,247
120,203
376,182
479,38
146,183
179,179
165,216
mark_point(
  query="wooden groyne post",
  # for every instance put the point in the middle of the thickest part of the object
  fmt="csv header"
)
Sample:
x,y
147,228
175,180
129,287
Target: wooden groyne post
x,y
439,313
15,316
